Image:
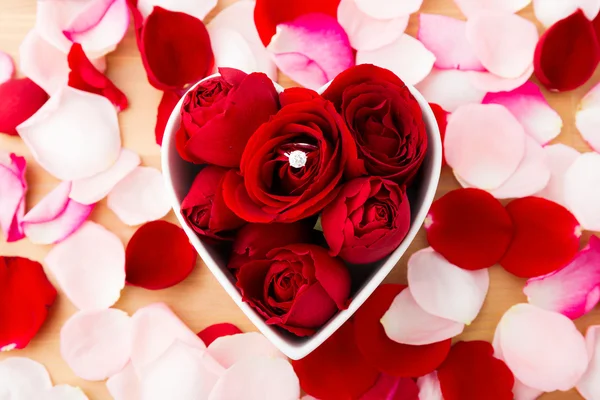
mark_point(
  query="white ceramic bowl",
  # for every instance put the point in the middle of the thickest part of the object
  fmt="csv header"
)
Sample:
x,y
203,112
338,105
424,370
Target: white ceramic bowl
x,y
179,175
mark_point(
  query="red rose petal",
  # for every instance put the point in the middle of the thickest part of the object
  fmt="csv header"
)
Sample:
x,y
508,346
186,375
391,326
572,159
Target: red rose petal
x,y
159,255
472,372
546,237
19,100
167,104
441,117
26,297
213,332
336,369
567,54
392,388
269,13
386,355
85,76
470,228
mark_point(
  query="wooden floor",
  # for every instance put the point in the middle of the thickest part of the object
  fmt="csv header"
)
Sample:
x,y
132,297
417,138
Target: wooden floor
x,y
199,300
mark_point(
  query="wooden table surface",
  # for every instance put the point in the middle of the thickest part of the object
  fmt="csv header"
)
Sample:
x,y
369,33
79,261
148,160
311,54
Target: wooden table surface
x,y
199,300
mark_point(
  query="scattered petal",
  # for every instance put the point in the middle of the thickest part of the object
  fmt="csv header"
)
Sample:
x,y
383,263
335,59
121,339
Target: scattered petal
x,y
441,118
124,385
140,197
446,38
168,102
484,144
408,58
13,187
384,9
450,89
159,255
549,12
196,8
567,54
443,289
489,82
406,322
43,63
469,228
7,67
19,100
22,378
392,388
527,338
429,387
74,135
559,158
471,7
64,392
528,105
589,384
545,239
312,50
389,357
213,332
587,118
89,266
582,190
229,350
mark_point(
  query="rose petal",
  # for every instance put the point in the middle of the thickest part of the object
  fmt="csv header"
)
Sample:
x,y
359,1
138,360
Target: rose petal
x,y
124,385
13,187
582,190
392,358
471,7
589,384
22,378
489,82
195,8
19,100
429,387
140,197
258,378
385,9
215,331
406,57
469,228
229,350
567,54
528,338
366,32
43,63
235,22
546,237
7,67
406,322
528,105
559,158
450,89
312,50
159,255
155,329
96,344
71,120
587,118
182,372
446,38
484,144
64,392
443,289
167,104
89,266
548,12
508,55
441,118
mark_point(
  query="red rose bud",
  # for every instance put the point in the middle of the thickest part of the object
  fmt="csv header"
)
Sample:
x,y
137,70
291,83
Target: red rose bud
x,y
297,287
367,221
204,208
293,164
385,119
220,114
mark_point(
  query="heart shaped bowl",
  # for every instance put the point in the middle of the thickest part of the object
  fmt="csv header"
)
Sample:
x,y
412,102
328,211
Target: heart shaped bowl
x,y
179,175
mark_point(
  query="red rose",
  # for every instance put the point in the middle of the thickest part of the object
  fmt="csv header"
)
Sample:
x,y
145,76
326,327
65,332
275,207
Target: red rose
x,y
385,119
254,241
297,287
220,114
204,208
293,164
367,221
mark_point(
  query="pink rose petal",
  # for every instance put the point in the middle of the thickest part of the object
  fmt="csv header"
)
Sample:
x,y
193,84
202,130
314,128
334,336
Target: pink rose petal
x,y
22,378
508,54
429,387
472,7
182,372
93,189
228,350
96,344
407,323
385,9
89,266
235,41
43,63
392,388
489,82
559,157
406,57
312,50
582,190
450,89
140,197
195,8
528,105
125,384
155,329
528,338
7,67
588,118
74,135
445,290
258,378
484,144
573,290
368,33
13,187
63,392
446,38
589,384
548,12
55,217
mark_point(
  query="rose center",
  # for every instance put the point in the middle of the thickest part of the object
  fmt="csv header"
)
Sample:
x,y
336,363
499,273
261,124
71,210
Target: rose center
x,y
297,159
